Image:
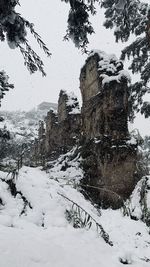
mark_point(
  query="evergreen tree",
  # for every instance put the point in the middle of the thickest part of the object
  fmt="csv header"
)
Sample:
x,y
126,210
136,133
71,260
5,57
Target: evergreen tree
x,y
126,18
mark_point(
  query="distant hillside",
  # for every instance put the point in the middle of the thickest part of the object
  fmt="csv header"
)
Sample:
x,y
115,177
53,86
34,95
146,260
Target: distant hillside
x,y
47,106
24,124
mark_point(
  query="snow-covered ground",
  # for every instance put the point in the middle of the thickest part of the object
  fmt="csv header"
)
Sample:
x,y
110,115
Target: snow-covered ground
x,y
34,230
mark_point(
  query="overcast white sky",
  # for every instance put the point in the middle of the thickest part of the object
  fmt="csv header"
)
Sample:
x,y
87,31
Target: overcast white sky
x,y
63,68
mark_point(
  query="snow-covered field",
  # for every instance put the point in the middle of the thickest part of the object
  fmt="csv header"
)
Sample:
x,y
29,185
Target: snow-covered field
x,y
34,230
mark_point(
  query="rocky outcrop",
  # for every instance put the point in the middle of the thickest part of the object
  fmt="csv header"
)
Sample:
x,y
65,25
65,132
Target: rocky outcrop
x,y
46,106
62,129
105,97
109,156
41,139
101,130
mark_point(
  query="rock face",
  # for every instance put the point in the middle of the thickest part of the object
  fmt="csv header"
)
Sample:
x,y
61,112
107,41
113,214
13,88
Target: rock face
x,y
109,157
62,129
46,106
51,126
62,106
101,130
105,98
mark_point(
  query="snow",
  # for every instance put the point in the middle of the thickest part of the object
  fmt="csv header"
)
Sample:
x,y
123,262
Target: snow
x,y
38,234
23,126
106,62
136,204
97,141
110,68
132,141
73,103
75,111
19,127
122,74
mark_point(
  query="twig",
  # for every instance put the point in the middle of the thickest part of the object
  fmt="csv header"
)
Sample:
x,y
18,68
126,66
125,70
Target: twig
x,y
103,234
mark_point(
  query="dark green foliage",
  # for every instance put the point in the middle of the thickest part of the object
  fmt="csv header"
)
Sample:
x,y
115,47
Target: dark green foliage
x,y
78,217
146,109
4,84
11,182
79,25
130,18
4,140
146,152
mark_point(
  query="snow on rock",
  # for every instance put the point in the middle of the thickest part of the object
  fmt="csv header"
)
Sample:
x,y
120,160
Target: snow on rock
x,y
111,69
73,103
34,230
67,168
122,74
132,141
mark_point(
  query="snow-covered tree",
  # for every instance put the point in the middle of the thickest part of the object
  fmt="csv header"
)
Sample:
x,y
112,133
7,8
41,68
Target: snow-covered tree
x,y
125,18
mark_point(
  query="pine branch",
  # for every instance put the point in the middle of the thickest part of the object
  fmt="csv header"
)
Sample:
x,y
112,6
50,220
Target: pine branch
x,y
38,38
89,219
103,190
31,59
13,27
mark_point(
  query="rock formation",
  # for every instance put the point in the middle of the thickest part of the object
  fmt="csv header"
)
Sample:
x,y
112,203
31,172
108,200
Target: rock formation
x,y
109,155
101,130
62,130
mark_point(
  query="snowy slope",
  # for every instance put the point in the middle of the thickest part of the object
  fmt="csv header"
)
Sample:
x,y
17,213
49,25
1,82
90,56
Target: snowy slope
x,y
34,230
23,125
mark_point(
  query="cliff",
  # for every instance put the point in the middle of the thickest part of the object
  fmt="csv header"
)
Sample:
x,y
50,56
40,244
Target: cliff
x,y
100,131
109,158
61,130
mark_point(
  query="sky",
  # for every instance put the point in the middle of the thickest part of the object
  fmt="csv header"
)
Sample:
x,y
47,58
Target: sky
x,y
63,68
